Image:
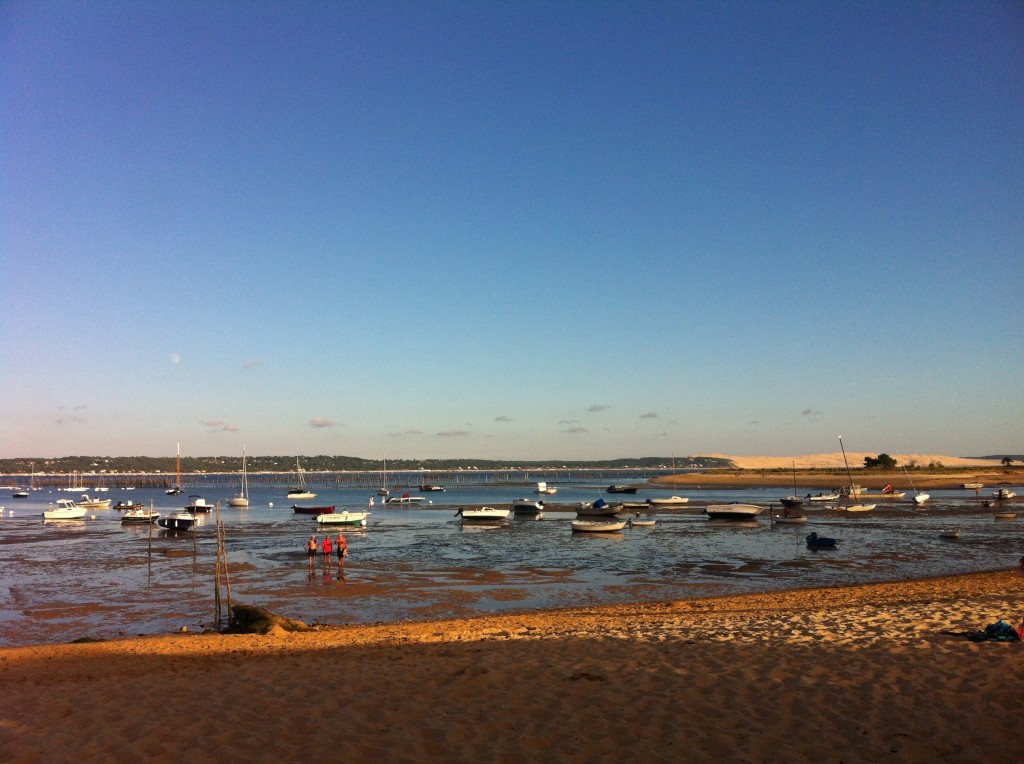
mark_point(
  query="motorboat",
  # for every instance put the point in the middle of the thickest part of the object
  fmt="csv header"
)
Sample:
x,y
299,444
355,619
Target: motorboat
x,y
19,495
198,504
789,518
973,486
404,499
598,526
90,503
599,507
859,507
343,518
139,516
621,489
484,515
182,520
823,497
733,511
126,505
312,510
820,542
527,507
1003,493
431,487
66,509
671,501
949,533
543,487
792,501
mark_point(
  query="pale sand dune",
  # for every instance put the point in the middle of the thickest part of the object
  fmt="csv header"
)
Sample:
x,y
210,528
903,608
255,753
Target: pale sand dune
x,y
856,674
855,458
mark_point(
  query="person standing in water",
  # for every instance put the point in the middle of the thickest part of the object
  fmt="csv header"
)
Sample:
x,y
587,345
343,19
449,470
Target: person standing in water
x,y
311,550
327,550
342,550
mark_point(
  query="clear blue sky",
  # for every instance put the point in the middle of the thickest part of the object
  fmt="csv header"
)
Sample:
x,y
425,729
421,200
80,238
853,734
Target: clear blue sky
x,y
520,230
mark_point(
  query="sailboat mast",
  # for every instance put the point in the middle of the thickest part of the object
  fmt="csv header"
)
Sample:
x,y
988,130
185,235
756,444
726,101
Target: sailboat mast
x,y
848,473
179,465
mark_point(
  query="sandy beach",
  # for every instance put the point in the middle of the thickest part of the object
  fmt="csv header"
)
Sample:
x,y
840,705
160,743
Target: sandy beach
x,y
851,674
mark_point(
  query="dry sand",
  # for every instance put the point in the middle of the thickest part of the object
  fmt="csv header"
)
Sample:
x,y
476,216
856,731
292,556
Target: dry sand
x,y
856,459
858,674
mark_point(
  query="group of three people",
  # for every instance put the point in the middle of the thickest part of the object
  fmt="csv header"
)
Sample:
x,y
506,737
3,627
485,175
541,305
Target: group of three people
x,y
327,547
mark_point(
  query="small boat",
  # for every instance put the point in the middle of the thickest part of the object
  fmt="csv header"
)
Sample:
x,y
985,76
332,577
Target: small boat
x,y
177,486
789,518
823,497
733,511
181,520
198,504
125,505
1006,515
484,515
820,542
431,487
859,507
404,499
66,509
599,507
949,533
792,500
527,507
920,497
973,486
139,516
598,526
343,518
621,489
643,522
20,495
669,502
1003,493
543,487
90,503
242,500
312,510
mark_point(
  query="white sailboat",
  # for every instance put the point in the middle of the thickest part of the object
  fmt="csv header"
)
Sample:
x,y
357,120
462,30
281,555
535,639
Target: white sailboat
x,y
242,500
920,497
383,490
177,487
301,491
854,490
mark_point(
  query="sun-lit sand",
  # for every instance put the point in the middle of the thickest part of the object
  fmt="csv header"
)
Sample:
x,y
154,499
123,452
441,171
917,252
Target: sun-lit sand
x,y
856,459
859,674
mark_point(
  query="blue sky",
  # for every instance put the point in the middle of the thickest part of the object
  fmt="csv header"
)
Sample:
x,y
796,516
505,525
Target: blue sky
x,y
522,230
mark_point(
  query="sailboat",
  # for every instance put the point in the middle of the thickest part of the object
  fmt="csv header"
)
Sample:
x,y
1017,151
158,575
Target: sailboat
x,y
242,500
177,488
792,500
301,491
853,491
383,490
920,497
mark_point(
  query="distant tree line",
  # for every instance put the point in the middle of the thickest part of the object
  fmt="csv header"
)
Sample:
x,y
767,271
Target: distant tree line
x,y
321,463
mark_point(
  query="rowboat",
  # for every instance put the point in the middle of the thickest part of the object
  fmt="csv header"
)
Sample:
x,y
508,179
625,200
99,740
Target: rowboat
x,y
642,522
342,518
312,510
732,511
859,507
598,526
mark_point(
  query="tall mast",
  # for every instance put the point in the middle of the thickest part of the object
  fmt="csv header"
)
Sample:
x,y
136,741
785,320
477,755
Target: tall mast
x,y
848,474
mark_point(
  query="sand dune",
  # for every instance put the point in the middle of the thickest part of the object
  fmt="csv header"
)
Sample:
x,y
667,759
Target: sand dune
x,y
856,459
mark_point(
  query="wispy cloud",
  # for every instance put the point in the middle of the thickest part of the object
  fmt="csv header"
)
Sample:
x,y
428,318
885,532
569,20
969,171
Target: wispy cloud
x,y
502,419
68,420
218,425
598,407
649,415
212,423
252,362
319,422
568,421
575,430
452,434
410,431
810,412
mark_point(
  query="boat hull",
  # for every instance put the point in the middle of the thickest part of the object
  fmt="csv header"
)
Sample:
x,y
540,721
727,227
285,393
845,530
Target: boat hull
x,y
733,511
313,510
343,518
597,526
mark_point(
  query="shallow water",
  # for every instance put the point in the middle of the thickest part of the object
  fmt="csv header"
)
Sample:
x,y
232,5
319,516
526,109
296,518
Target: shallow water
x,y
61,581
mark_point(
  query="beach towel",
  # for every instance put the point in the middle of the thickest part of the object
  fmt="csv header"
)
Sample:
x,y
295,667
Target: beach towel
x,y
1000,631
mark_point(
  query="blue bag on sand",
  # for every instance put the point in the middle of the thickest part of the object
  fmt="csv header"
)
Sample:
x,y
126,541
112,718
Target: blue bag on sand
x,y
1001,631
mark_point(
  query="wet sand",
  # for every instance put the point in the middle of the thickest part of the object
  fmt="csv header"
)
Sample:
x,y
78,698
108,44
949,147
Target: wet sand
x,y
852,674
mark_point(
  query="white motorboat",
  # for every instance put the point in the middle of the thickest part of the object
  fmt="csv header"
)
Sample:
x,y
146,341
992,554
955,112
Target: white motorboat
x,y
181,520
527,506
824,497
973,486
484,515
732,511
598,526
1003,493
543,487
125,505
343,518
139,516
90,503
669,502
198,504
66,509
600,508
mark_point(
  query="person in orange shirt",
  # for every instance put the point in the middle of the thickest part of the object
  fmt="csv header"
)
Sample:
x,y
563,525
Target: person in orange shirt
x,y
342,550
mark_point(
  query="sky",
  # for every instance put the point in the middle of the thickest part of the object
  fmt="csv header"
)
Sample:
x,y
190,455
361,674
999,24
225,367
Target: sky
x,y
529,230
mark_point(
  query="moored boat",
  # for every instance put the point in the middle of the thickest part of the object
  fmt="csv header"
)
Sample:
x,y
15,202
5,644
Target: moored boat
x,y
431,487
312,510
598,526
949,533
621,489
823,497
90,503
66,509
599,507
125,505
733,511
484,515
973,486
182,520
404,499
139,516
543,487
198,504
671,501
527,506
820,542
343,518
859,507
1003,493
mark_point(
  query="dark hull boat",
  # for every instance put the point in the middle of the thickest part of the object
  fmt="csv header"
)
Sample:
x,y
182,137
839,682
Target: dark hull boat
x,y
179,521
313,510
621,489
